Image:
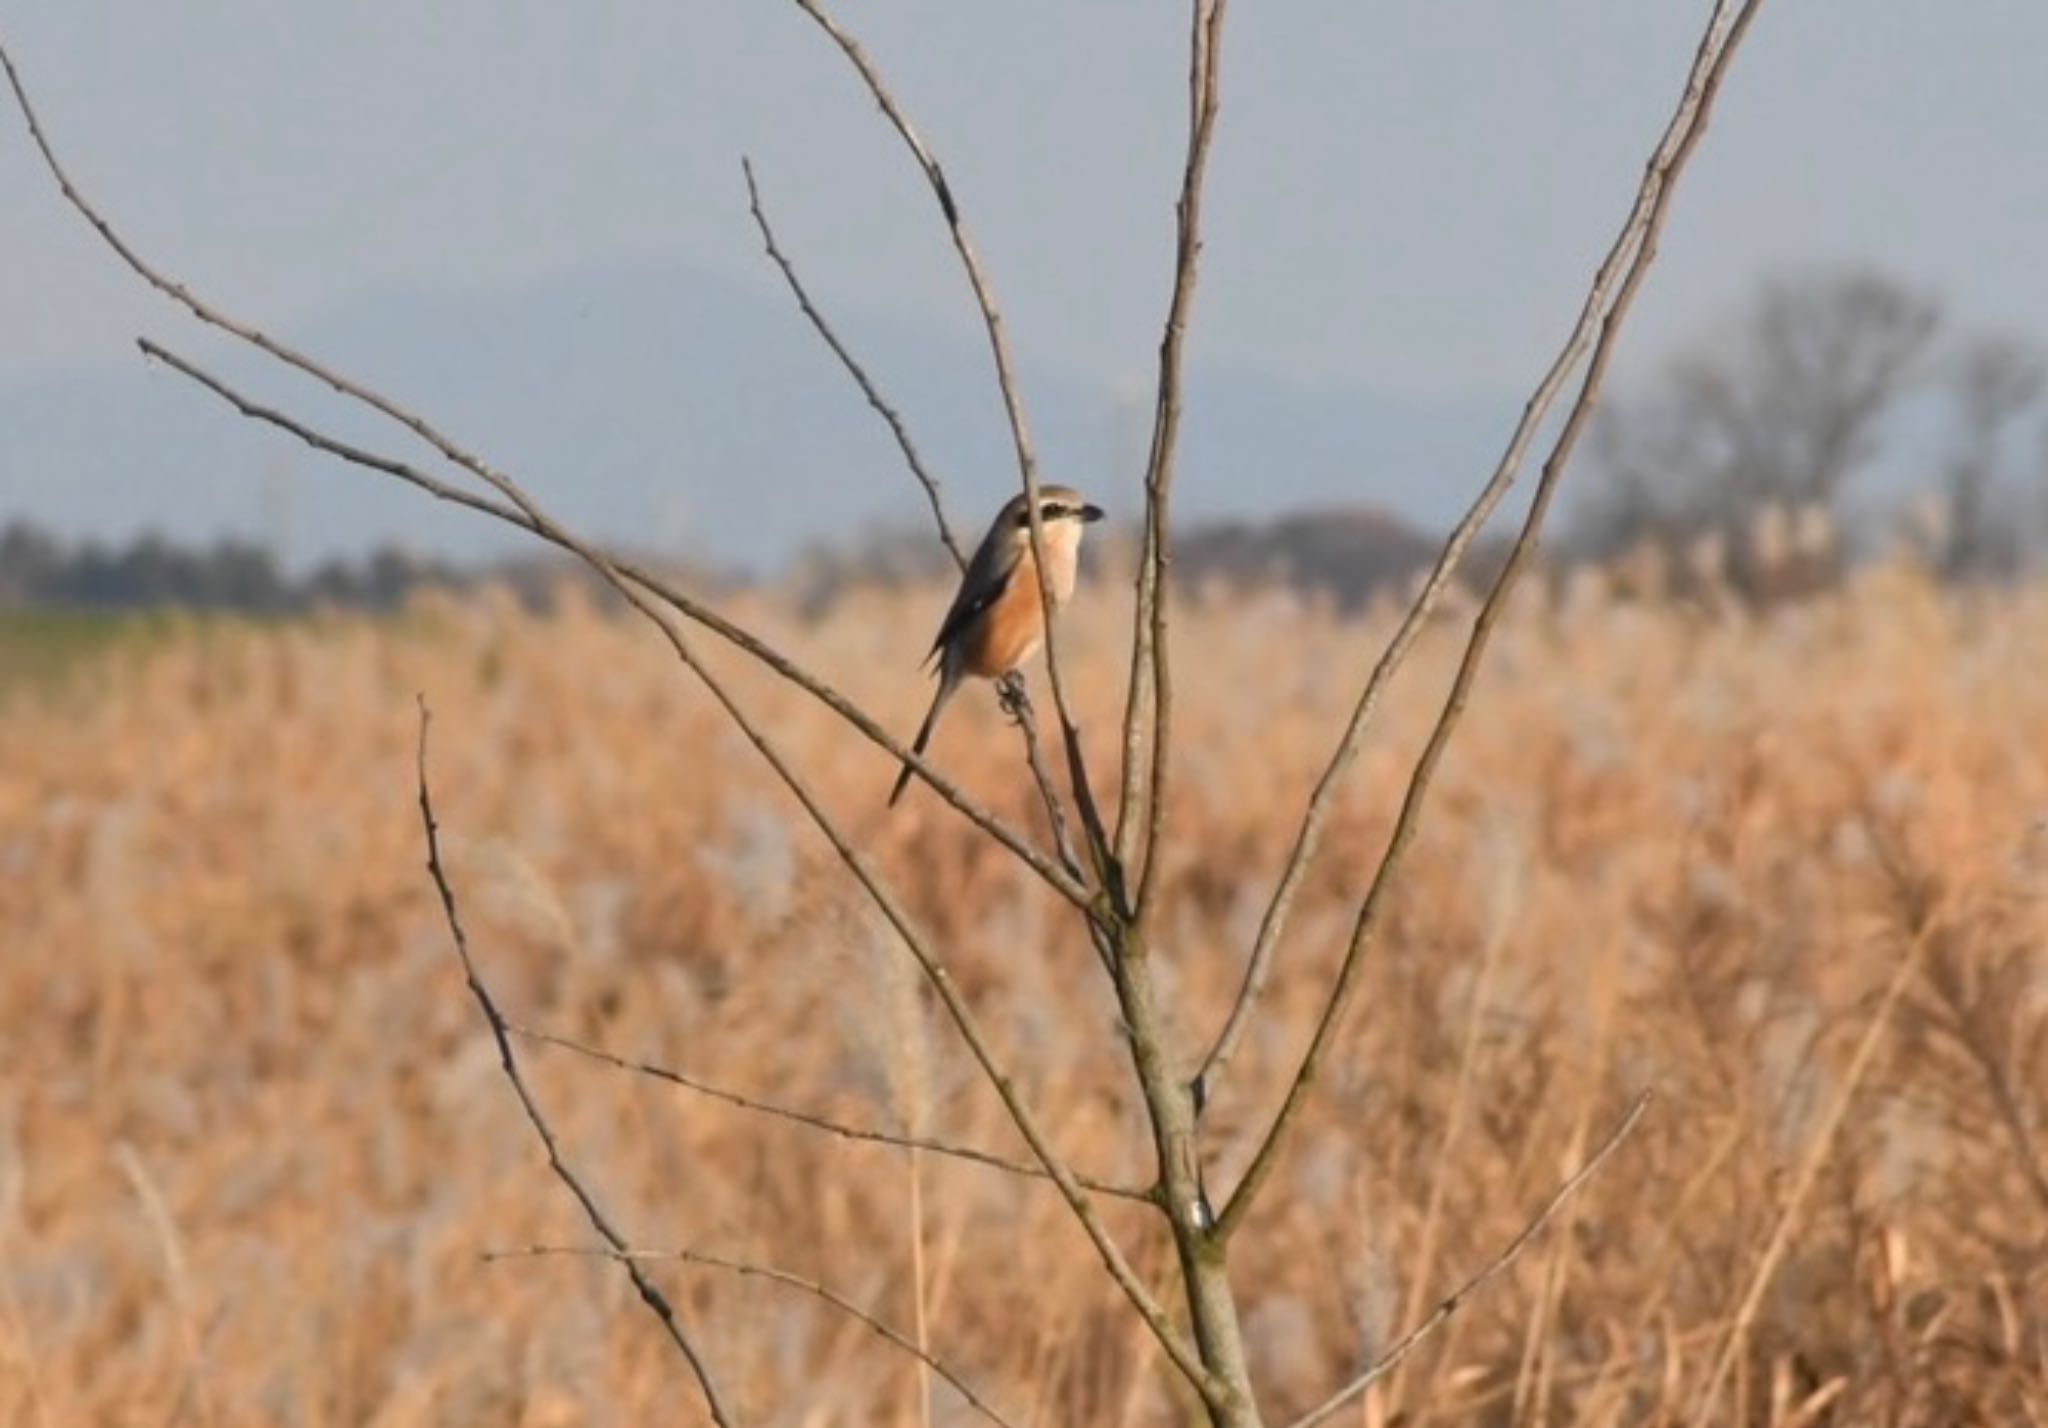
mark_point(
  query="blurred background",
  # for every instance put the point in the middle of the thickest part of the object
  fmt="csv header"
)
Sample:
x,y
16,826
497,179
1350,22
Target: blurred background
x,y
1750,809
533,227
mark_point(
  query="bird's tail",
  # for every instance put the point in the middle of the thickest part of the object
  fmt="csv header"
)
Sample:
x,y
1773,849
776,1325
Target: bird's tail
x,y
924,735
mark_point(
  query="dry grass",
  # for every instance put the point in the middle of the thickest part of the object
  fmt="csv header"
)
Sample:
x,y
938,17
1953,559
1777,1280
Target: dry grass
x,y
252,1139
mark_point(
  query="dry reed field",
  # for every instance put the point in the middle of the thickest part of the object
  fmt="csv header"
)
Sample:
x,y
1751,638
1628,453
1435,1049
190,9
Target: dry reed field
x,y
1787,871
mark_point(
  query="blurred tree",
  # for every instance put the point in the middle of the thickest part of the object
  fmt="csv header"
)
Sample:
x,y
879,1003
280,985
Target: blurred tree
x,y
1740,462
1781,415
1995,384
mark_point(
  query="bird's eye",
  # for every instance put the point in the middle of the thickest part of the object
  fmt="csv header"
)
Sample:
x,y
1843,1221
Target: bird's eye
x,y
1048,511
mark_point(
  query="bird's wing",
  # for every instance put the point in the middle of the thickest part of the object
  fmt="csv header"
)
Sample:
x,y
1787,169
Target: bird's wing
x,y
983,584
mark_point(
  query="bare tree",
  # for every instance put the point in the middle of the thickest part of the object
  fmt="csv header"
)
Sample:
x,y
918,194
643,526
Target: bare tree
x,y
1107,875
1994,385
1785,413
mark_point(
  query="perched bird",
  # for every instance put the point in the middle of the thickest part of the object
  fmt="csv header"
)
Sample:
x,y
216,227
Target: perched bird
x,y
997,620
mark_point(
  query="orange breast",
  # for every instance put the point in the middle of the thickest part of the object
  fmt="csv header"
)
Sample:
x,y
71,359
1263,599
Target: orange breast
x,y
1008,633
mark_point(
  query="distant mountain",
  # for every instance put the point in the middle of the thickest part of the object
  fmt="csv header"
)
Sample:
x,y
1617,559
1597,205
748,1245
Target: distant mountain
x,y
688,413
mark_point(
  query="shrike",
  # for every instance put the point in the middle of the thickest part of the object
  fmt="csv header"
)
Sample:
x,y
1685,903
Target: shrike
x,y
997,620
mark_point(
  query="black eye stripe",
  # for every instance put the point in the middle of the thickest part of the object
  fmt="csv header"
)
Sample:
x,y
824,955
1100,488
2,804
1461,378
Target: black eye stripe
x,y
1049,511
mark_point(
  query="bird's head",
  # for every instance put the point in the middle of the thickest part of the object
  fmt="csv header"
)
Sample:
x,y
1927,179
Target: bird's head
x,y
1062,510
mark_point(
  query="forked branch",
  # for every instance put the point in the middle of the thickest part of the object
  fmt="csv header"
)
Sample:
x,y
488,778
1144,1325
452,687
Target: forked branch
x,y
518,508
1171,1339
1013,408
951,1150
883,408
650,1294
746,1269
1209,1352
1613,290
1599,323
1015,695
1061,880
633,590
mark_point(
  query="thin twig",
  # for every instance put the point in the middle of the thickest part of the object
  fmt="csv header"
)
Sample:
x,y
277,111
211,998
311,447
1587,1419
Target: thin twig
x,y
1013,408
749,1270
1015,694
868,389
1061,881
651,1296
1386,1363
878,892
532,520
1149,632
1626,266
1222,1381
816,1122
1308,837
630,588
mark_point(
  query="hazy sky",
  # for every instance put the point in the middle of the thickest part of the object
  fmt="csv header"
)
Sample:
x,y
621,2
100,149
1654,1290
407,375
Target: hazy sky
x,y
1406,198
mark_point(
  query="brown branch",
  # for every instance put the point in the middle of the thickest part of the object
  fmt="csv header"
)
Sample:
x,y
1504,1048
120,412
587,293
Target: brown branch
x,y
1066,884
1015,696
652,1297
816,1122
1224,1383
1621,275
1149,623
452,451
868,389
1386,1363
1175,1344
749,1270
1598,323
1013,409
630,589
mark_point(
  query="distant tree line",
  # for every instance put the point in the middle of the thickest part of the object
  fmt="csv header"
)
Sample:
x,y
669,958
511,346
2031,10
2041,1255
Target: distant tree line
x,y
150,571
1746,463
1345,556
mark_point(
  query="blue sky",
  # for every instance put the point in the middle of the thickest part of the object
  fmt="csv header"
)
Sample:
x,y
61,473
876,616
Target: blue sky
x,y
1406,199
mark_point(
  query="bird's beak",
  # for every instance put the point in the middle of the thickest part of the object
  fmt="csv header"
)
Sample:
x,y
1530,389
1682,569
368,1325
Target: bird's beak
x,y
1091,514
